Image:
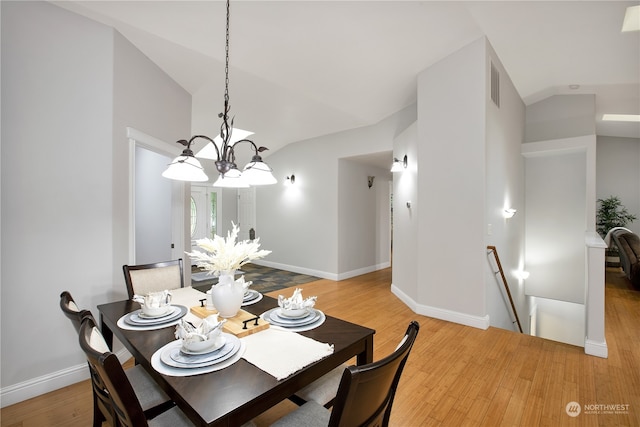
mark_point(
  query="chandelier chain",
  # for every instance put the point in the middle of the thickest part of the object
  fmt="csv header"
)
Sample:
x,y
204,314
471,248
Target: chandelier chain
x,y
226,67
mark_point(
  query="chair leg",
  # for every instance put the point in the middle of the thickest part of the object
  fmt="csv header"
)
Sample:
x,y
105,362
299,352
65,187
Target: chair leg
x,y
98,416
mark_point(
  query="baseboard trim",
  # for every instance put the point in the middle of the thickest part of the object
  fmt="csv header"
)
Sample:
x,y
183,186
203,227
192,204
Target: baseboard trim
x,y
323,274
34,387
480,322
295,269
365,270
596,348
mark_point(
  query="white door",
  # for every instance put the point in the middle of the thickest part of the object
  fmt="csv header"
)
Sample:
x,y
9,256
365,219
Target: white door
x,y
246,211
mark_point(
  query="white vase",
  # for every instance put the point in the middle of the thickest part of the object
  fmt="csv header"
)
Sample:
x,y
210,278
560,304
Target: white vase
x,y
227,295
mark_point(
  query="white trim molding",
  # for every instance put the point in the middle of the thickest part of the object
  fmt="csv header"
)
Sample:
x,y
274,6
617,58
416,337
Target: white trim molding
x,y
480,322
595,348
323,274
34,387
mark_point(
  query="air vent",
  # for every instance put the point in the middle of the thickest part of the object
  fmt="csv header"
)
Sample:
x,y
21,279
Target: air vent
x,y
495,85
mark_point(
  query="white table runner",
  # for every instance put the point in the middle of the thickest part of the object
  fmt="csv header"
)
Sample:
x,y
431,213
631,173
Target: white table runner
x,y
281,353
189,297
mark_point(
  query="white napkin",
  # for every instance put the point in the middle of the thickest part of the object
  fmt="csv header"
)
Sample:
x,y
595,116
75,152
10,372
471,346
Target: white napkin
x,y
281,353
296,302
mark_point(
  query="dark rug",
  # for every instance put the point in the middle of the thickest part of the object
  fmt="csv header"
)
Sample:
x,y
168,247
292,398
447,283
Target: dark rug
x,y
265,279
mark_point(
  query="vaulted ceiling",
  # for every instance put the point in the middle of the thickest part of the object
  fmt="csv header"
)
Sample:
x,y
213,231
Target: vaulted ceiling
x,y
301,69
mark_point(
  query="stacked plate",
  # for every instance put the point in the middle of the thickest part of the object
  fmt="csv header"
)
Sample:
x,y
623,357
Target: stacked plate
x,y
307,319
174,355
251,297
138,318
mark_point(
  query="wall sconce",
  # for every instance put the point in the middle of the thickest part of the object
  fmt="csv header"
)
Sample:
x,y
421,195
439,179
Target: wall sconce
x,y
290,180
399,165
521,274
509,212
370,181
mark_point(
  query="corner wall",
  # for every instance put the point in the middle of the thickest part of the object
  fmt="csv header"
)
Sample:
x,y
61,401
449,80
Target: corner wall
x,y
465,168
451,187
70,86
301,223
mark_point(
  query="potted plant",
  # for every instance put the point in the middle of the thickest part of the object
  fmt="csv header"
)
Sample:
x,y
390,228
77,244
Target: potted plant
x,y
612,213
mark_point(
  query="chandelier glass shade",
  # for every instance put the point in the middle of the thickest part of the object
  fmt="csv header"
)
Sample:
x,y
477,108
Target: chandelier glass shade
x,y
221,149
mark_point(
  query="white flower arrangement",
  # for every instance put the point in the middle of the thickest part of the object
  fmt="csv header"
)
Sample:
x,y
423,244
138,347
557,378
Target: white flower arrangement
x,y
225,255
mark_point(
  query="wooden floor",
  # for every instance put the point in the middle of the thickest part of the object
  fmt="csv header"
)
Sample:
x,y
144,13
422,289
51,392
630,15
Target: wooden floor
x,y
456,375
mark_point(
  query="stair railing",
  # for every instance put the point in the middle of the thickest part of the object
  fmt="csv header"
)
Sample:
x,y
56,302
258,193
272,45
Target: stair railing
x,y
494,251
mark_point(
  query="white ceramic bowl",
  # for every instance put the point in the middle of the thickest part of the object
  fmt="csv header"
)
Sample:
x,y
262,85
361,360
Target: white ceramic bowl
x,y
203,346
154,311
294,312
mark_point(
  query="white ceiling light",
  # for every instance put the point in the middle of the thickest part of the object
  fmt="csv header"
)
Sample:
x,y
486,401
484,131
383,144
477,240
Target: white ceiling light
x,y
631,19
621,117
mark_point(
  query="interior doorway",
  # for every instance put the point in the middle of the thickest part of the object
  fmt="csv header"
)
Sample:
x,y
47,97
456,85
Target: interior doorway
x,y
156,204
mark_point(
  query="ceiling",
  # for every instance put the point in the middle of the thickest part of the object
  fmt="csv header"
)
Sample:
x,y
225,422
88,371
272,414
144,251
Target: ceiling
x,y
301,69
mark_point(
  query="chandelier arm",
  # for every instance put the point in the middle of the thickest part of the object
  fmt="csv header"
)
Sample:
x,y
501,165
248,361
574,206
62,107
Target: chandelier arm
x,y
255,147
208,139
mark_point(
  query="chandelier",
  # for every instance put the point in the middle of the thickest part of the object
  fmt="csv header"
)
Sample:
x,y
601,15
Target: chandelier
x,y
221,149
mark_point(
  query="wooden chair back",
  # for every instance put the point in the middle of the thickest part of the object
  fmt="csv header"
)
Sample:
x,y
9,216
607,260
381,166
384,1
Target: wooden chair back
x,y
111,376
366,392
71,310
102,408
145,278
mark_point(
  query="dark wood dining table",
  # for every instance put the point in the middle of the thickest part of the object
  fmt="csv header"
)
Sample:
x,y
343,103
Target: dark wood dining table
x,y
240,392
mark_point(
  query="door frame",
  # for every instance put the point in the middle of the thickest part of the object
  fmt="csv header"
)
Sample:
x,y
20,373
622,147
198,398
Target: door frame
x,y
137,138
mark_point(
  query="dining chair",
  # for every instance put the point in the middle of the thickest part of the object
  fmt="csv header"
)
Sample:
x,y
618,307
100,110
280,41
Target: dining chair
x,y
152,398
111,377
365,394
144,278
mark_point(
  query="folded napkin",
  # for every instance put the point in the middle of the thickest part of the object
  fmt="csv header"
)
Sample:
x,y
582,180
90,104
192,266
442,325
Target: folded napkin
x,y
281,353
209,329
296,302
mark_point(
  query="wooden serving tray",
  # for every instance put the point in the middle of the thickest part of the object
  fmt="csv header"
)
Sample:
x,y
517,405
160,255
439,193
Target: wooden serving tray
x,y
236,325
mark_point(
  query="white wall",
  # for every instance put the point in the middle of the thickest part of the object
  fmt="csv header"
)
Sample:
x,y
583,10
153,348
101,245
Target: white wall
x,y
406,218
300,223
451,184
70,87
555,225
463,178
57,112
147,99
505,189
618,172
560,116
364,218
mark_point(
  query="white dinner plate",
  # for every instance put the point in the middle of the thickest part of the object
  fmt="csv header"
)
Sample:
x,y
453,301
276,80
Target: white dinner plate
x,y
310,317
171,355
250,295
215,347
273,317
165,369
134,319
293,327
252,300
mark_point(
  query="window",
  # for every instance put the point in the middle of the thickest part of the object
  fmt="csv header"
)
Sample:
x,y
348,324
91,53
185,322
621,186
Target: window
x,y
194,216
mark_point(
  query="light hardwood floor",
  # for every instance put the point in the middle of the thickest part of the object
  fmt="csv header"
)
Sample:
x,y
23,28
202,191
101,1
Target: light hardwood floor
x,y
456,375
